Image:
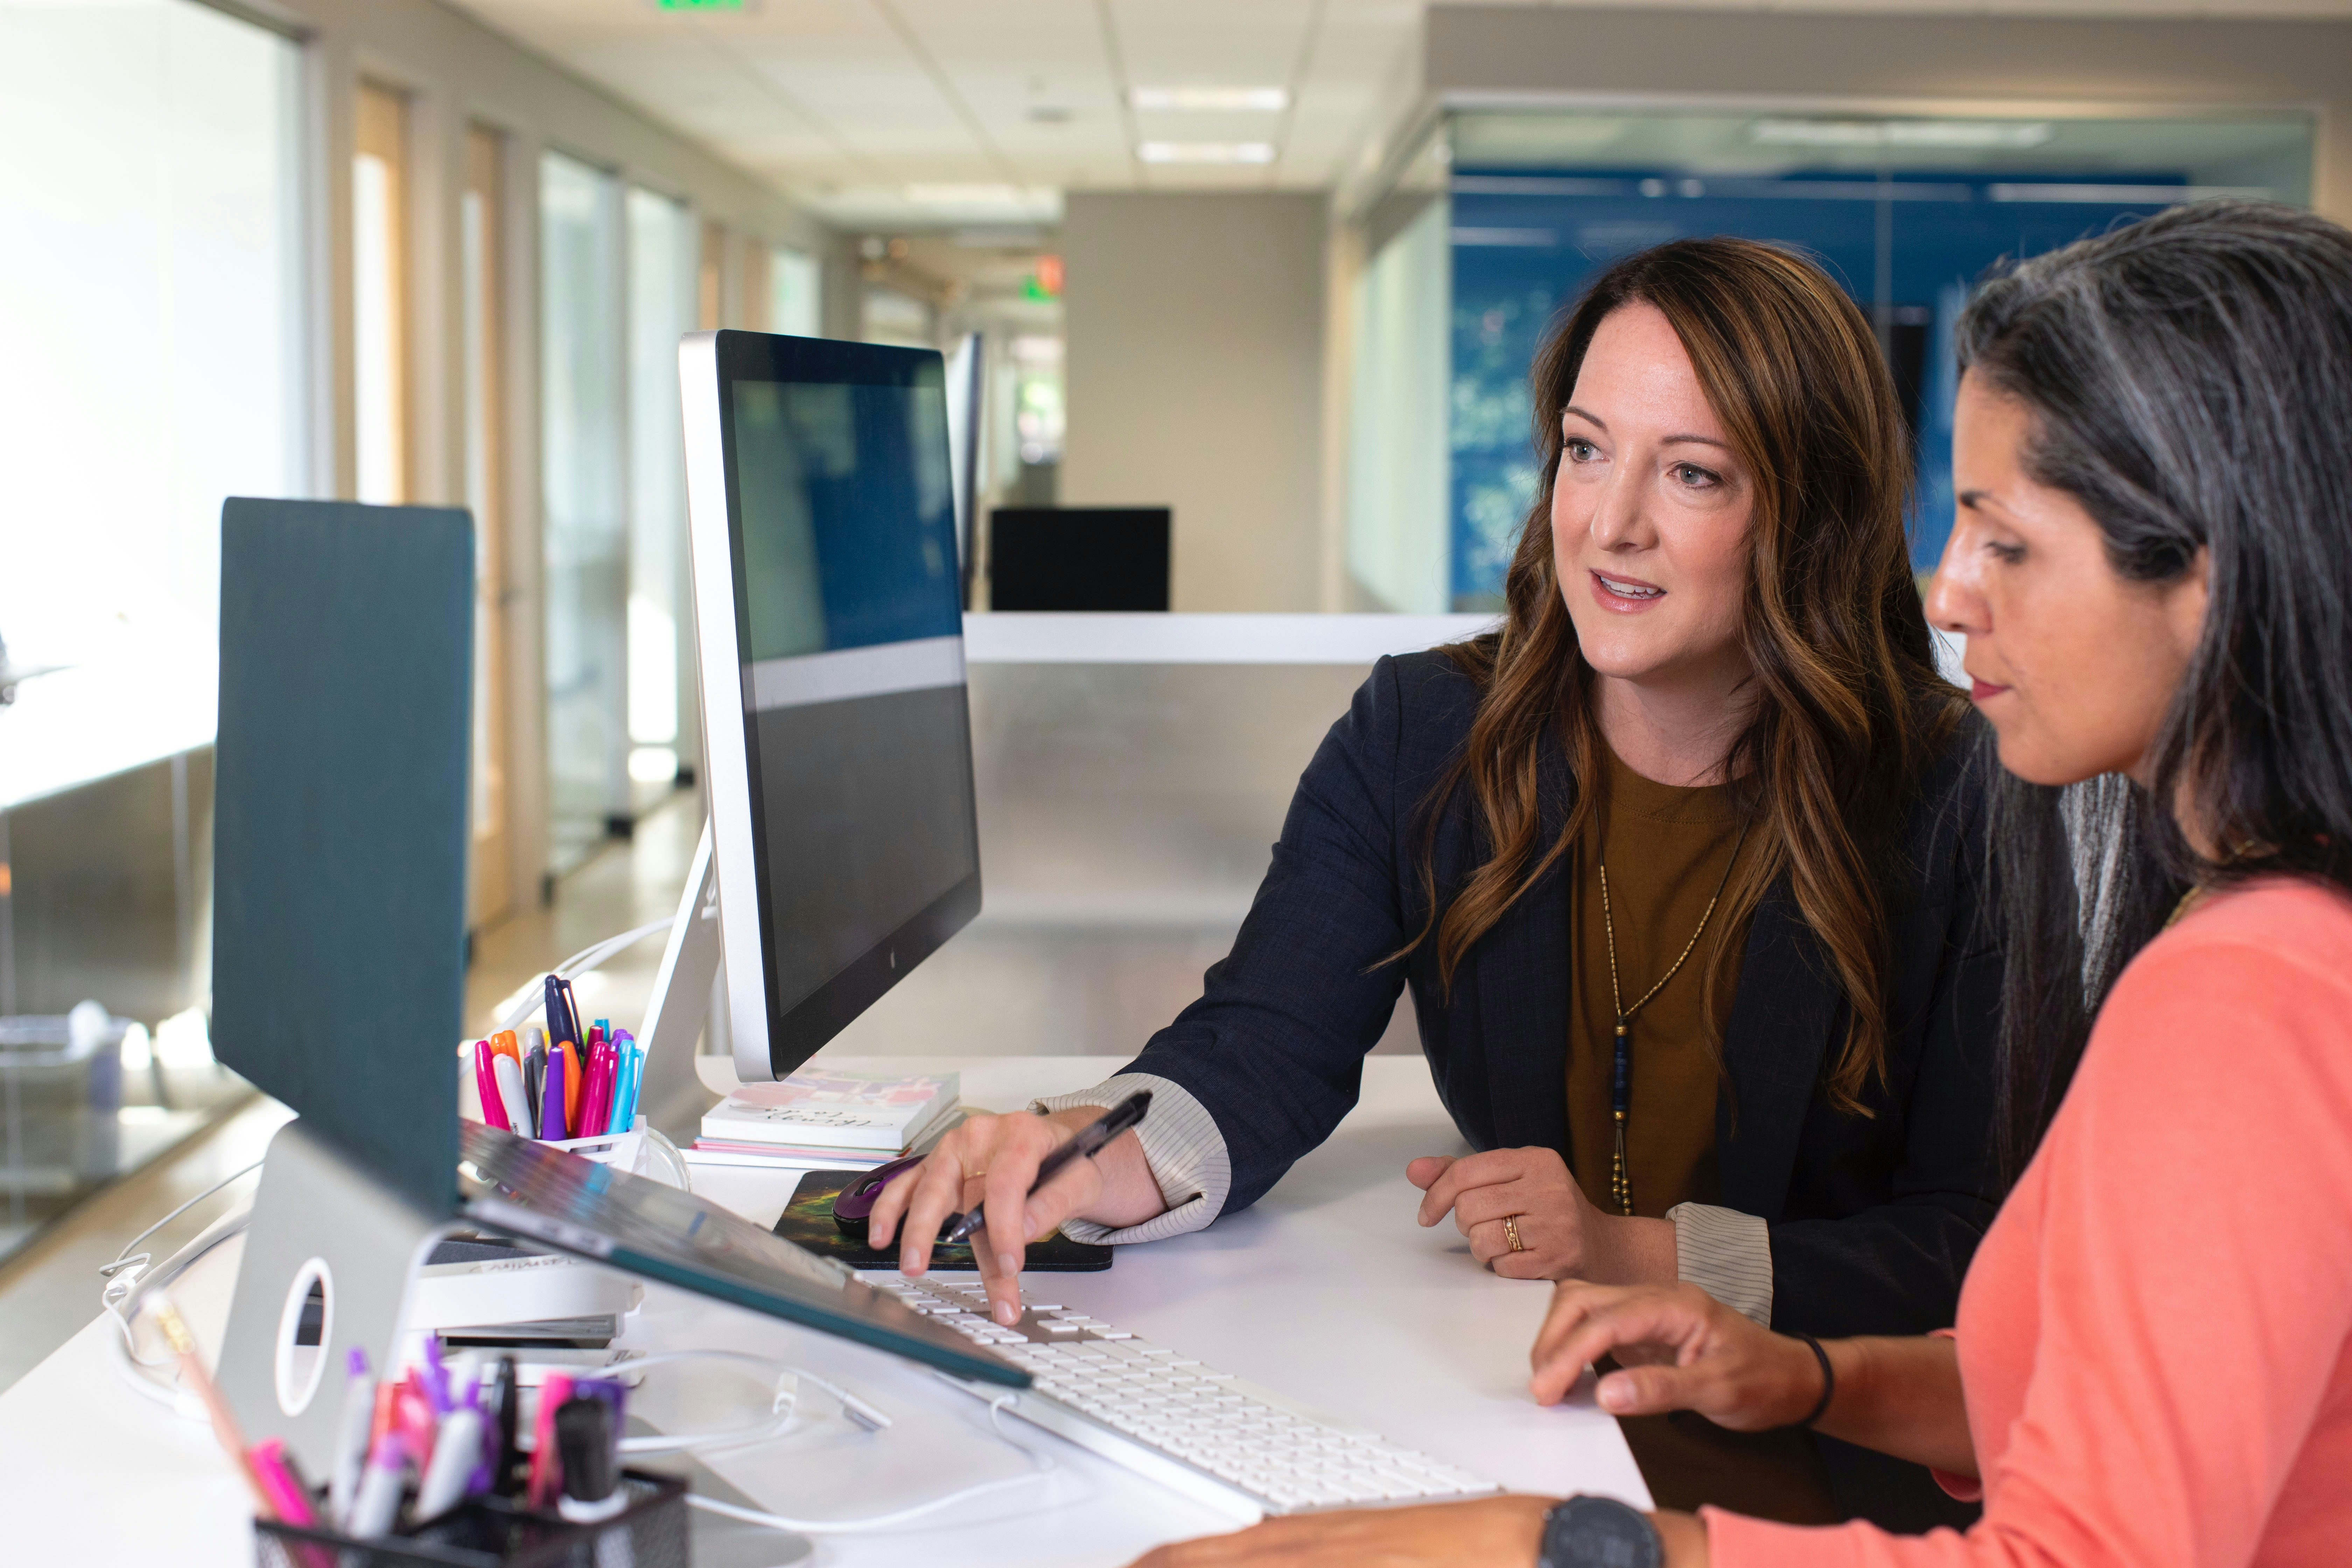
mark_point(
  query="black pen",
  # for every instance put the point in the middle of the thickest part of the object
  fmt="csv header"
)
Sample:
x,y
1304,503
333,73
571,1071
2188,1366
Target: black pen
x,y
1090,1141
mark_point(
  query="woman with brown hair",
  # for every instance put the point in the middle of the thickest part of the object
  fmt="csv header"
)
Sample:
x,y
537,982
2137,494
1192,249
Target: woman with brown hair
x,y
1680,864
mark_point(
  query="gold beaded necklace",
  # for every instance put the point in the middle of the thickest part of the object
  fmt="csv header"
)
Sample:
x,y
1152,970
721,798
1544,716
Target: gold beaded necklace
x,y
1621,1085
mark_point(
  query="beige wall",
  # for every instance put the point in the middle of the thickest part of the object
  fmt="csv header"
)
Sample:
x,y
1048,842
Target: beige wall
x,y
1196,328
1683,57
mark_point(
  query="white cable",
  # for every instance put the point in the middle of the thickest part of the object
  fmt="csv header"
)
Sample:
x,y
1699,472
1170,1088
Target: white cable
x,y
1043,1461
784,1406
534,994
137,1265
131,1276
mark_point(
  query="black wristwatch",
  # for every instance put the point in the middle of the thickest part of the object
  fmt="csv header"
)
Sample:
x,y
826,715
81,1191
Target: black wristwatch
x,y
1599,1533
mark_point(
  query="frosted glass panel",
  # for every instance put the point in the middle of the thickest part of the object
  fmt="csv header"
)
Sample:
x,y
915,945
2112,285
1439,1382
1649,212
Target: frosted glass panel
x,y
1396,488
147,312
794,307
583,479
662,277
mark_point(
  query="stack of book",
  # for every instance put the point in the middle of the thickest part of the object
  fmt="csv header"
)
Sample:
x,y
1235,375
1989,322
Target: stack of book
x,y
824,1121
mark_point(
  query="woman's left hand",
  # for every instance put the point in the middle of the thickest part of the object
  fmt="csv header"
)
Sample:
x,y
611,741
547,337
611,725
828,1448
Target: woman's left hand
x,y
1561,1234
1492,1533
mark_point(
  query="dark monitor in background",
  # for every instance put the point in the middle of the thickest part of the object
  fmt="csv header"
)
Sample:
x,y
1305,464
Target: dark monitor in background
x,y
1079,558
828,612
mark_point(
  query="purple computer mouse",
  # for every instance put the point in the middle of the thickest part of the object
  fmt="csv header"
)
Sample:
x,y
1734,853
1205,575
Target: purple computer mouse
x,y
854,1204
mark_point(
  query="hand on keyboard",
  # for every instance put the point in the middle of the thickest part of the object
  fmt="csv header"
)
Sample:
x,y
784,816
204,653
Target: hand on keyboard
x,y
989,1162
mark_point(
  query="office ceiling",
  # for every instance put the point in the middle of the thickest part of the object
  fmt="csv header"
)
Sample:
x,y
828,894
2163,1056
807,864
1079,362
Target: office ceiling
x,y
936,113
875,114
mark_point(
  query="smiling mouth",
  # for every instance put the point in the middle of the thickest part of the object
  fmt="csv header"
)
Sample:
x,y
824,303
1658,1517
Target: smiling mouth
x,y
1626,588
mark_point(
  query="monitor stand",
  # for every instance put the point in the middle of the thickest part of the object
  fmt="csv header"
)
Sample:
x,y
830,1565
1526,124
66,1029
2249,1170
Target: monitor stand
x,y
318,1218
691,991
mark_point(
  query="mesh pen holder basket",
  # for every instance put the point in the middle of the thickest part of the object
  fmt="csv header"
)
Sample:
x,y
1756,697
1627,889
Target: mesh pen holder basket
x,y
496,1532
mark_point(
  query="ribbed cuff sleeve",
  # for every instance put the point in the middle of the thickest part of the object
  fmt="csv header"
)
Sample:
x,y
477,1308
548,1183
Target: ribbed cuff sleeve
x,y
1726,1254
1181,1145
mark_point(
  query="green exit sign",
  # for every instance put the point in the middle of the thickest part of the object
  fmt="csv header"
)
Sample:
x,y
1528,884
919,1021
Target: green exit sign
x,y
699,5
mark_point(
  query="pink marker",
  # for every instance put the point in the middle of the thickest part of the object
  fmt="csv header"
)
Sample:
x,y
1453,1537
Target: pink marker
x,y
285,1494
486,1086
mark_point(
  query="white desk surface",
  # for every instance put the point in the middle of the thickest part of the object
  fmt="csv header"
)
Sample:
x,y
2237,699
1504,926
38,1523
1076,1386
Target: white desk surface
x,y
1326,1290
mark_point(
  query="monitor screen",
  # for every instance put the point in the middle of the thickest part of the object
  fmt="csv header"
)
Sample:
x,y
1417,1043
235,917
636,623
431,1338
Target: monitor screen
x,y
856,828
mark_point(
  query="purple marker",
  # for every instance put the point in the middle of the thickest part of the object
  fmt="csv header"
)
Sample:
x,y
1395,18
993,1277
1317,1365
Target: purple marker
x,y
552,1128
351,1441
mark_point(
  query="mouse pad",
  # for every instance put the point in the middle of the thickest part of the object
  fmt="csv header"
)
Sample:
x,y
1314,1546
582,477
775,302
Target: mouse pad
x,y
807,1221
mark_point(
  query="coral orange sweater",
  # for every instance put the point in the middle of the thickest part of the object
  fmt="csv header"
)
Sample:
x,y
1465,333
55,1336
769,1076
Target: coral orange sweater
x,y
2154,1335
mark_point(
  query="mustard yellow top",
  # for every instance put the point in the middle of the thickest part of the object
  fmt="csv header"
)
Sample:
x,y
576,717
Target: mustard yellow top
x,y
1666,849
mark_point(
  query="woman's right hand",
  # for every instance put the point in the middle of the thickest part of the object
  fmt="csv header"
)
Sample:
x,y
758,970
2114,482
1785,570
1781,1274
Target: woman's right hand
x,y
989,1162
1677,1347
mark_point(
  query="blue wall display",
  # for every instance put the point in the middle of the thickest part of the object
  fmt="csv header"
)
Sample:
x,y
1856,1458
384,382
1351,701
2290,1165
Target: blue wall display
x,y
1525,242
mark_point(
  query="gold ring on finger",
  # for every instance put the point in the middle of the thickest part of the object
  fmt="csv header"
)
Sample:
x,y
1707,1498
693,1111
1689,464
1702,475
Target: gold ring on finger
x,y
1511,1233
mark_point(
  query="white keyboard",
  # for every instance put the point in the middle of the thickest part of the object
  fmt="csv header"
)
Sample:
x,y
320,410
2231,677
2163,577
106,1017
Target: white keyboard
x,y
1240,1449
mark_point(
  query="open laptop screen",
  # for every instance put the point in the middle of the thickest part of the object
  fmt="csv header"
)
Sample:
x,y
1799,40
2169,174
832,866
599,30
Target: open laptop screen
x,y
545,1194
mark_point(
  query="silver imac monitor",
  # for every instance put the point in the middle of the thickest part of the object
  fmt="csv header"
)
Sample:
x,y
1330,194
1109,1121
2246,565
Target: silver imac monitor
x,y
836,737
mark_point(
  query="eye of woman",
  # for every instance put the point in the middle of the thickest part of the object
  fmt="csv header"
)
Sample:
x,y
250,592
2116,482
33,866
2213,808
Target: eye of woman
x,y
1695,476
1578,450
2006,551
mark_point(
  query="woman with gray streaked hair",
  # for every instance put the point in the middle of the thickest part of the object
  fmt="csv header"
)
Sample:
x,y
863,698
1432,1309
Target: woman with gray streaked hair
x,y
2153,1364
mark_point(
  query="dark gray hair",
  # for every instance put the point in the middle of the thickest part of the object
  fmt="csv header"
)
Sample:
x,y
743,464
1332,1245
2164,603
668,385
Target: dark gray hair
x,y
2189,380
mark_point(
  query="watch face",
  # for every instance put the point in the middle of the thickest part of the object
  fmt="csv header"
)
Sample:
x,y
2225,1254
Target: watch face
x,y
1599,1533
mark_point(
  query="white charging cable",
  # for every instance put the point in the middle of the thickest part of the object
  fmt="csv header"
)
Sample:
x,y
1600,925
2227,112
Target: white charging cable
x,y
131,1274
783,1406
1043,1463
534,995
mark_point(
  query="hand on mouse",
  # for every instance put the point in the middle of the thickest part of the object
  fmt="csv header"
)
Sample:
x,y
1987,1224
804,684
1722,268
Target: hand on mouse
x,y
989,1162
1562,1235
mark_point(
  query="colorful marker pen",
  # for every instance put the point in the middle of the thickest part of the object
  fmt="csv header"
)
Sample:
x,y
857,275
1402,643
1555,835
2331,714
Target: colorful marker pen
x,y
509,1078
486,1088
552,1126
575,1081
456,1455
354,1436
287,1495
546,1459
377,1506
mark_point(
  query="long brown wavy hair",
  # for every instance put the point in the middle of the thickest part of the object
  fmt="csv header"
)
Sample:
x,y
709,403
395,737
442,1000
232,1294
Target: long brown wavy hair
x,y
1849,708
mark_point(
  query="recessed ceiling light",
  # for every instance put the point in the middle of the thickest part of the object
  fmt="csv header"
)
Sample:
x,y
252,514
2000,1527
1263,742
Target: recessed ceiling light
x,y
974,196
1212,100
1956,133
1206,151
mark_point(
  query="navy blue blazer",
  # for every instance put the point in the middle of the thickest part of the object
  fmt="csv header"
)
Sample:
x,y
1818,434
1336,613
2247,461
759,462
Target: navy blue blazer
x,y
1873,1220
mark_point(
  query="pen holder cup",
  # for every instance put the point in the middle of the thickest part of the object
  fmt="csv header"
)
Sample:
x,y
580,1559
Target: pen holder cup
x,y
495,1532
641,1151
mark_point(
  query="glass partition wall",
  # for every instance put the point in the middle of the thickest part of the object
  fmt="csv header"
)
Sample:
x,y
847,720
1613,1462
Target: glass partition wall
x,y
150,312
584,482
1500,217
663,287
